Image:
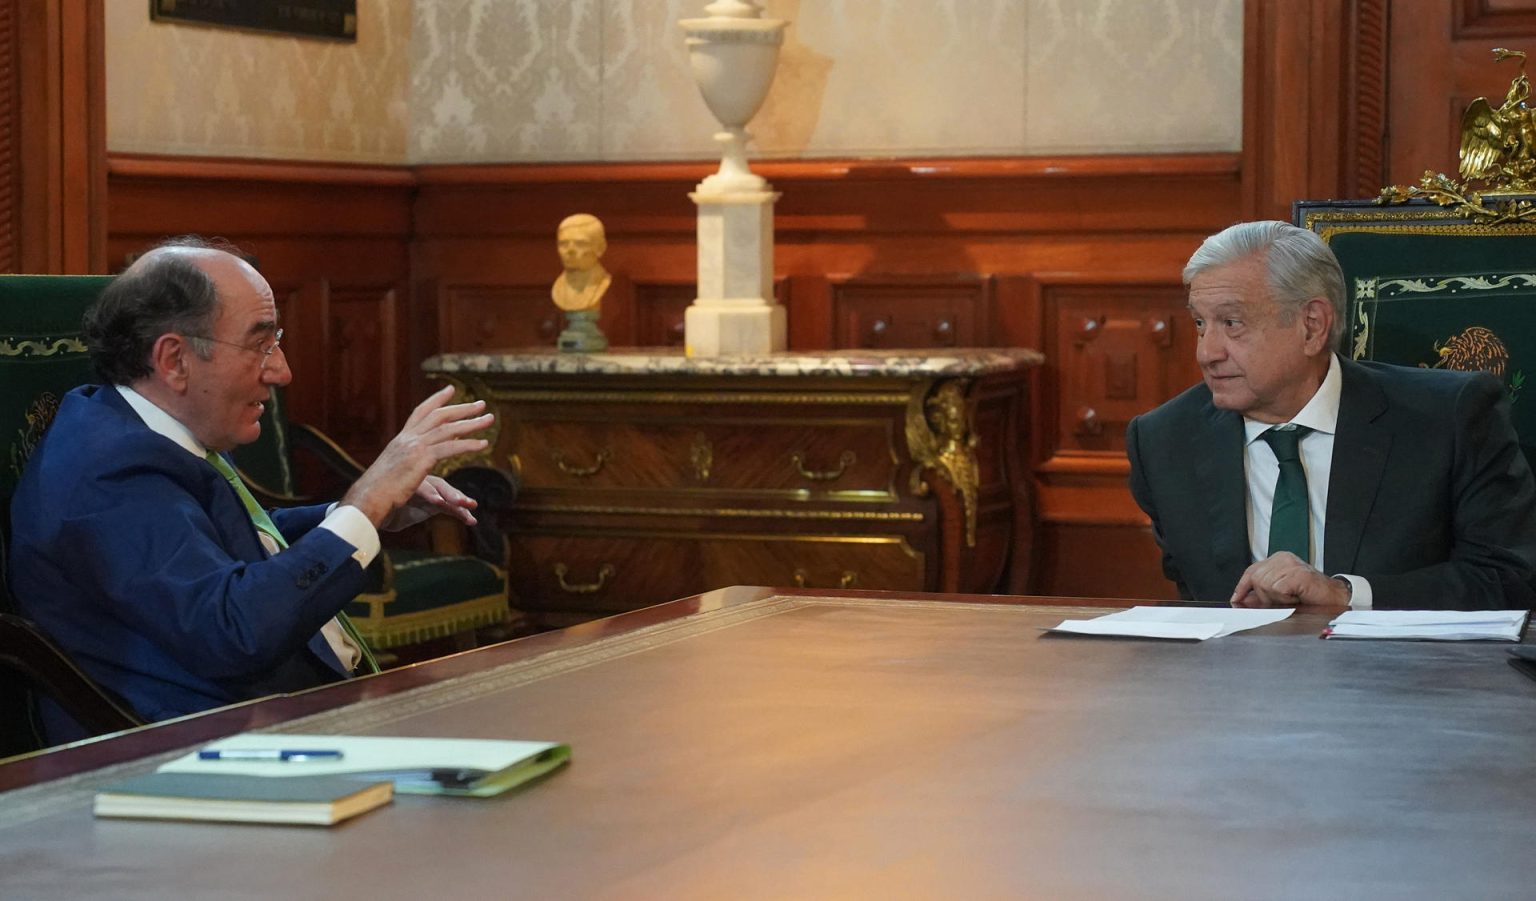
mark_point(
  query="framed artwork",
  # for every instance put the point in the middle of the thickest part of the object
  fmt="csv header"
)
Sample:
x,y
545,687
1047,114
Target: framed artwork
x,y
331,19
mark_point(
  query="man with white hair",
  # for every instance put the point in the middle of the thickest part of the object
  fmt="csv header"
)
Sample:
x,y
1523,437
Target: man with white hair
x,y
1291,475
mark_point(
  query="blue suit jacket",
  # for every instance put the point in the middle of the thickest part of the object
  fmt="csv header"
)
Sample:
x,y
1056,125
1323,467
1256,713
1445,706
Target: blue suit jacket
x,y
140,561
1429,495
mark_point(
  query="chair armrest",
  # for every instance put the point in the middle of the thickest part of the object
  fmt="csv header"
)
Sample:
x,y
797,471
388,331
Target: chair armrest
x,y
496,491
28,651
269,497
338,461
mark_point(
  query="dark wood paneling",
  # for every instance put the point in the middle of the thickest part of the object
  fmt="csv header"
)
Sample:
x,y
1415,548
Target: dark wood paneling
x,y
912,312
1116,350
52,136
659,312
1090,560
495,317
1439,59
1482,20
10,127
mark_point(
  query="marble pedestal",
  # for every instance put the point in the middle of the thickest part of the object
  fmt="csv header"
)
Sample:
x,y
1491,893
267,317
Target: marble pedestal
x,y
735,312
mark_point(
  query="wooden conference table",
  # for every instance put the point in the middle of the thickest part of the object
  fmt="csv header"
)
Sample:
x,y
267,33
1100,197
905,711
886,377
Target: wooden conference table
x,y
755,743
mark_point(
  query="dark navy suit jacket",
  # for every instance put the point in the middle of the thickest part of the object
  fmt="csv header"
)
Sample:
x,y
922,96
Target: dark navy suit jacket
x,y
140,561
1429,495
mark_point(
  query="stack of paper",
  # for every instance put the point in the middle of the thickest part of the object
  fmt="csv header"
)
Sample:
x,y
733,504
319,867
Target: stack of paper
x,y
1186,623
1430,625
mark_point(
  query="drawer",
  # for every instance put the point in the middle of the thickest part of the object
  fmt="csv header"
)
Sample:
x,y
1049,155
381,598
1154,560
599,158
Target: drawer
x,y
772,456
599,575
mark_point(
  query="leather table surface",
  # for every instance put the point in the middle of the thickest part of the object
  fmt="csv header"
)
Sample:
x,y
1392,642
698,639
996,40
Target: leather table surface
x,y
801,747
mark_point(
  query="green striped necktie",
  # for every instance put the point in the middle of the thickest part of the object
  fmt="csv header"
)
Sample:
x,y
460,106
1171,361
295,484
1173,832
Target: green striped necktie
x,y
264,524
1290,528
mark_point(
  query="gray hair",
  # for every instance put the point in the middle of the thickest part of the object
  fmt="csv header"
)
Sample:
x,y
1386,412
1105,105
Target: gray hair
x,y
1300,264
164,291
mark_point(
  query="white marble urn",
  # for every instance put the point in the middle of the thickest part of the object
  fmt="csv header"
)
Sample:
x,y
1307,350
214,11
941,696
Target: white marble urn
x,y
734,53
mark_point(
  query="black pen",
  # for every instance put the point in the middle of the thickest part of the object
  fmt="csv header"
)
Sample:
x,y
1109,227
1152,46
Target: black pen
x,y
280,755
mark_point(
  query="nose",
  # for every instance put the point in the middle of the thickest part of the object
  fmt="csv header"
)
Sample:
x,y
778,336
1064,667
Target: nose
x,y
1209,348
274,370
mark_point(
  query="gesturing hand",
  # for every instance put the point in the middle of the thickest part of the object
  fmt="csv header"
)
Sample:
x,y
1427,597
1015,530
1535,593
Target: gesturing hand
x,y
434,432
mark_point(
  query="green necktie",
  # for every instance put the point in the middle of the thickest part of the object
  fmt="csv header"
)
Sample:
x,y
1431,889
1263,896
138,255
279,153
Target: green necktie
x,y
1290,528
264,524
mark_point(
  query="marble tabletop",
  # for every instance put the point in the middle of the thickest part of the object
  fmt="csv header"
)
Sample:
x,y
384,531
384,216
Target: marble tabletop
x,y
669,361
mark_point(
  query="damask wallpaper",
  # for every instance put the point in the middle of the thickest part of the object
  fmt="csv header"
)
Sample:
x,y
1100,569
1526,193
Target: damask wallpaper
x,y
549,80
188,89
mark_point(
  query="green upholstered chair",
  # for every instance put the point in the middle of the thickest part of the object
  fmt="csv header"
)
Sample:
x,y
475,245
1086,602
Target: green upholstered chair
x,y
1430,287
413,595
41,359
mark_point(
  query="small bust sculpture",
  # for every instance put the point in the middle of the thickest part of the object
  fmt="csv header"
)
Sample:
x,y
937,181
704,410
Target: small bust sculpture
x,y
581,242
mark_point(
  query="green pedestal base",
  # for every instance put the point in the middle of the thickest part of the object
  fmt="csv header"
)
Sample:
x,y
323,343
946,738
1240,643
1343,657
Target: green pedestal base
x,y
581,333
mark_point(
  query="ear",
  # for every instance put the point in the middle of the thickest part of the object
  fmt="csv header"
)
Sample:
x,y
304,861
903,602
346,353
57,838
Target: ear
x,y
168,361
1317,321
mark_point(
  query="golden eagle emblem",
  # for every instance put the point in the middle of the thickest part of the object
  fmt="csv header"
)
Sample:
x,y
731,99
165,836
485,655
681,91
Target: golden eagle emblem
x,y
1498,160
1478,348
1475,348
37,419
1500,144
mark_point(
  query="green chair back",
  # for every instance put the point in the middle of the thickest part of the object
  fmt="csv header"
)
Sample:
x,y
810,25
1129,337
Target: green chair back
x,y
42,357
267,461
1427,287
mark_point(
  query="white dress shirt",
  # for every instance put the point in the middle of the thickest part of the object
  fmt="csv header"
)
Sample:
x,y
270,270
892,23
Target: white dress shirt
x,y
345,521
1262,470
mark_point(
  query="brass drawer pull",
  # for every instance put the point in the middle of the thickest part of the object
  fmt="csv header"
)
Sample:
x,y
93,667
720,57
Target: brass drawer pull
x,y
848,579
847,459
581,472
603,575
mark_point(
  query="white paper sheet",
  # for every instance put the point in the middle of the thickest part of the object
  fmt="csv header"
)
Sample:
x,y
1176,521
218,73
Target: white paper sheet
x,y
1187,623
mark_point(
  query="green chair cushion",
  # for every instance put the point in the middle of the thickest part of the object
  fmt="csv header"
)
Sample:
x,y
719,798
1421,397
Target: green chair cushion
x,y
433,596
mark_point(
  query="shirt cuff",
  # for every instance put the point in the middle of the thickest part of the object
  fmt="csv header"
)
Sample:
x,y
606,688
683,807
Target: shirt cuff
x,y
350,525
1359,592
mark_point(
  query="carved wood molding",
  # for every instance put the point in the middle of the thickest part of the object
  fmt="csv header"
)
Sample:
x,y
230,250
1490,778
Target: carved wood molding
x,y
53,123
937,169
1490,19
197,168
10,125
1366,162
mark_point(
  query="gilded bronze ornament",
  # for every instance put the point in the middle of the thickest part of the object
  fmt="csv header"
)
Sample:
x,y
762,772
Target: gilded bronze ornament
x,y
1498,160
940,438
604,573
467,391
701,456
847,459
581,472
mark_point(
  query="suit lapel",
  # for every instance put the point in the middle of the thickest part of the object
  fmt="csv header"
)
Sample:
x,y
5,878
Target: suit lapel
x,y
1219,474
1360,447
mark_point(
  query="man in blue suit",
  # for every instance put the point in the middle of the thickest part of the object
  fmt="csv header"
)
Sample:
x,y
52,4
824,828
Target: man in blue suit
x,y
1290,475
153,569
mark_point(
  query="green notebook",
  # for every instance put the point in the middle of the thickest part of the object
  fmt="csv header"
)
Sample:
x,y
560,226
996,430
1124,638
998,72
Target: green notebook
x,y
306,800
472,767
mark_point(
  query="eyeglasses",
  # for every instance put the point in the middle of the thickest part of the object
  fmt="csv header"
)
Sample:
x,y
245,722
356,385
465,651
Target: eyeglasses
x,y
265,348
